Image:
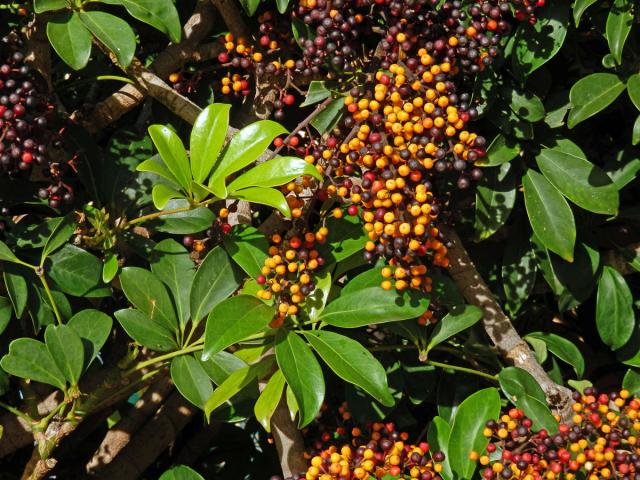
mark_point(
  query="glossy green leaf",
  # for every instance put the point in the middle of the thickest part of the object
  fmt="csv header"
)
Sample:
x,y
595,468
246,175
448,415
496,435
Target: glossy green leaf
x,y
154,165
16,285
539,413
221,365
592,94
635,134
302,373
109,267
524,104
161,194
516,382
518,269
268,400
618,26
316,92
93,327
231,386
248,248
495,198
61,231
207,138
562,348
215,280
171,263
41,6
282,5
6,254
374,305
633,89
534,45
145,331
250,6
6,312
579,7
143,289
352,362
501,150
76,272
191,380
458,319
183,223
70,39
180,472
348,238
243,149
113,32
173,153
615,318
265,196
438,439
466,431
29,358
273,173
328,118
67,351
161,14
233,320
550,215
582,182
317,300
631,381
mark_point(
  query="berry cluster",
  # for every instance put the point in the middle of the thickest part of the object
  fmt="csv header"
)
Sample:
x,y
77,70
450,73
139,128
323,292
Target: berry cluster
x,y
600,443
386,453
287,274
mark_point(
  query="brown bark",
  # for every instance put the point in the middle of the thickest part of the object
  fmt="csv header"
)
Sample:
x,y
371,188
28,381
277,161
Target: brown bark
x,y
120,434
231,13
197,444
288,440
173,58
499,327
151,440
38,50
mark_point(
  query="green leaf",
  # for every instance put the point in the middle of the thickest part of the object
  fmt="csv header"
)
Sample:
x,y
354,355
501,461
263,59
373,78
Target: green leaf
x,y
231,386
268,400
302,372
110,267
592,94
618,26
160,14
243,149
328,118
458,319
161,194
524,104
180,472
65,347
317,300
29,358
501,150
248,248
113,32
61,230
145,331
183,223
274,173
516,382
374,305
191,380
250,6
633,89
221,365
282,6
466,431
6,254
70,39
631,381
143,289
16,288
348,237
233,320
76,272
582,182
317,91
495,197
352,362
534,45
265,196
614,309
207,138
154,165
93,327
41,6
171,263
173,153
550,215
635,134
518,269
438,438
6,311
562,348
539,413
215,280
579,7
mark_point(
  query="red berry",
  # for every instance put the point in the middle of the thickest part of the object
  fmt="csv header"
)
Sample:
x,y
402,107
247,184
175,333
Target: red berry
x,y
226,228
261,280
223,57
352,210
278,142
289,99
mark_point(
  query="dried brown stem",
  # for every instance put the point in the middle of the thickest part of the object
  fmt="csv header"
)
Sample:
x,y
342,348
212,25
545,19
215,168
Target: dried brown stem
x,y
231,13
